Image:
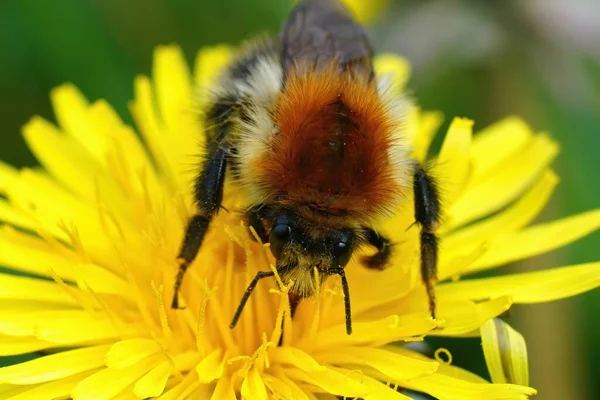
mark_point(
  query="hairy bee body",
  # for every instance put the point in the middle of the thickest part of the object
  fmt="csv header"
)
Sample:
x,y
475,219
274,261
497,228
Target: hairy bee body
x,y
315,141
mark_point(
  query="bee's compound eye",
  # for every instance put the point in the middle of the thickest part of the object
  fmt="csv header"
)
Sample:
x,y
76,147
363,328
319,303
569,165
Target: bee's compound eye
x,y
280,235
341,254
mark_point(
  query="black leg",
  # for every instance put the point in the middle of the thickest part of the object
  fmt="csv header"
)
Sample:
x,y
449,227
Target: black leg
x,y
209,194
427,215
209,184
346,290
194,236
259,275
380,259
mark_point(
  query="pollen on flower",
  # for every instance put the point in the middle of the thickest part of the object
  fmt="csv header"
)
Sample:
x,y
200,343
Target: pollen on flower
x,y
202,339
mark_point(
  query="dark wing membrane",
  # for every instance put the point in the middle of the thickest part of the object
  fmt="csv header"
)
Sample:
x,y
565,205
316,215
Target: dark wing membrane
x,y
320,31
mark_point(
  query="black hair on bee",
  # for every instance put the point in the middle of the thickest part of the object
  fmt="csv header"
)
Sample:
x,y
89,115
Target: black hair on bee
x,y
315,141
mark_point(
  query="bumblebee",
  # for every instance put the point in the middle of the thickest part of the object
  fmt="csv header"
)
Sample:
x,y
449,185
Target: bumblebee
x,y
315,140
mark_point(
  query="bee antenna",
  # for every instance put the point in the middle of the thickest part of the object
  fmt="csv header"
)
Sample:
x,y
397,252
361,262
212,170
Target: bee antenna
x,y
259,275
346,290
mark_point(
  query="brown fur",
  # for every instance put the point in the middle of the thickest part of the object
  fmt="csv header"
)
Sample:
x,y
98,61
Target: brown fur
x,y
331,149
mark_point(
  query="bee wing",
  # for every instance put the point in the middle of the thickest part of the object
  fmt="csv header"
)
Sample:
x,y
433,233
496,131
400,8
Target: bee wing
x,y
319,32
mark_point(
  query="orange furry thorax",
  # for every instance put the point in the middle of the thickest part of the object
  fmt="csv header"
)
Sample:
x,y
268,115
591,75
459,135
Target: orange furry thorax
x,y
331,148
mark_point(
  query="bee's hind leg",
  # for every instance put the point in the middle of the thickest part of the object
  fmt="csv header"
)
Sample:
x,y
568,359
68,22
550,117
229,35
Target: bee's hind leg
x,y
427,215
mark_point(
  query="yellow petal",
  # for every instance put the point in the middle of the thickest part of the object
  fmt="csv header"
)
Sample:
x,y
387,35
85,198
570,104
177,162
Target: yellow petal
x,y
10,215
376,390
173,82
495,144
179,389
379,391
210,62
385,330
296,357
109,382
130,351
538,239
125,156
451,382
87,228
17,287
529,287
505,353
394,366
56,325
54,366
390,284
459,373
366,10
505,184
331,381
95,327
449,388
153,383
453,165
296,391
185,361
209,65
145,115
458,245
211,367
462,317
391,70
49,145
58,389
375,384
443,368
426,126
30,254
197,391
280,389
17,322
7,390
72,113
224,390
12,346
253,386
7,175
46,203
125,395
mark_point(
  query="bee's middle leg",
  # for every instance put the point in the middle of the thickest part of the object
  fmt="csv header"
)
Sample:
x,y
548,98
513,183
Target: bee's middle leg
x,y
380,259
254,217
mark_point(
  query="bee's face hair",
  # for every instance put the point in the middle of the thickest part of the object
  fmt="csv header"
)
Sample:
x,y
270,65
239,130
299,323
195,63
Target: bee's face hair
x,y
301,246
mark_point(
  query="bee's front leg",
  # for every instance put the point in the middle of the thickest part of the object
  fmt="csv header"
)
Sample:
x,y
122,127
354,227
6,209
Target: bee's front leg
x,y
209,195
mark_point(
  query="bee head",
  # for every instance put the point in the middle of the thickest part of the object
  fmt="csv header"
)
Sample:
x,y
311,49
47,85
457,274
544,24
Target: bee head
x,y
300,245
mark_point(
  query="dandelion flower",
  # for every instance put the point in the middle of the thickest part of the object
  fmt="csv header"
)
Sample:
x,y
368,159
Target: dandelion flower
x,y
366,11
96,230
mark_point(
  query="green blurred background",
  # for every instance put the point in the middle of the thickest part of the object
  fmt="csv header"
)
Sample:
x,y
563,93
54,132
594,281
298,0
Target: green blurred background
x,y
481,59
